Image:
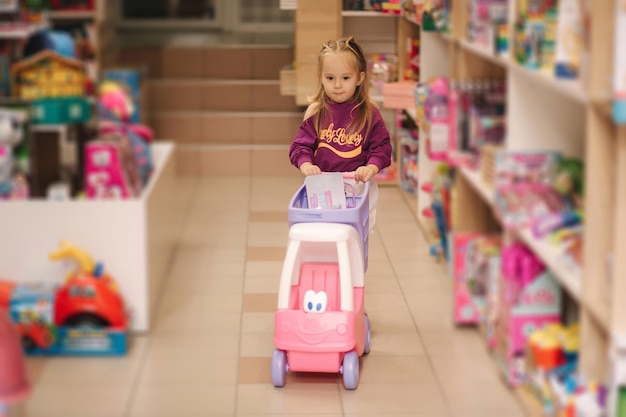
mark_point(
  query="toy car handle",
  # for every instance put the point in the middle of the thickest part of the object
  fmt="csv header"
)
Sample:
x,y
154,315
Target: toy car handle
x,y
67,250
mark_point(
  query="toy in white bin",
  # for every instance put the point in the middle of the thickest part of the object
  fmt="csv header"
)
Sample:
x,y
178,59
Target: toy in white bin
x,y
320,324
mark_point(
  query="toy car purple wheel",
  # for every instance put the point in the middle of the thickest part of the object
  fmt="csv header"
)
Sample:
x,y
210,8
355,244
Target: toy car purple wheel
x,y
350,370
279,368
368,335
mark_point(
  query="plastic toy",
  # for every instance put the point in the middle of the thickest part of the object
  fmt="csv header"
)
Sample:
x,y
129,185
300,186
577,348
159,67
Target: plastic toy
x,y
110,169
116,108
321,324
530,299
48,316
89,295
48,74
11,135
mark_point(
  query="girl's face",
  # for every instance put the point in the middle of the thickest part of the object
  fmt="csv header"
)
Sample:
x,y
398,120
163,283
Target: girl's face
x,y
339,77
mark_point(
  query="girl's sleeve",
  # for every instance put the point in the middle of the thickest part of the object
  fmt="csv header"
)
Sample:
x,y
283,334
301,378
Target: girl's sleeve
x,y
303,145
380,143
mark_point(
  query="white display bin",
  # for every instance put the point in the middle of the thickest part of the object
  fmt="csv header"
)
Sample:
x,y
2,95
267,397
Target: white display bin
x,y
135,238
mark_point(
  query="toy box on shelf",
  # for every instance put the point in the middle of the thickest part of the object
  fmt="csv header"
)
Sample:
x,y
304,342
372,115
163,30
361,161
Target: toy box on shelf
x,y
488,27
530,298
130,80
48,74
408,142
119,162
476,269
84,315
13,169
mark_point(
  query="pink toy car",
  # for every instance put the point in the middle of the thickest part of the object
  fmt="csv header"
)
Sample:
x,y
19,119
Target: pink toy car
x,y
321,324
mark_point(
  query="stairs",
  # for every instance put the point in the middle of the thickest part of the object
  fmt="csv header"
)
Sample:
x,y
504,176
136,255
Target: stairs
x,y
221,105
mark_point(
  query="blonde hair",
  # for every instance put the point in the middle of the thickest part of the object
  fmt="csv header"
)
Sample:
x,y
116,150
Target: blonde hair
x,y
362,110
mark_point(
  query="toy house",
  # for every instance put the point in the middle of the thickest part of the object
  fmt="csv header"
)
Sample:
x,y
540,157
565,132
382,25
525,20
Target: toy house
x,y
48,74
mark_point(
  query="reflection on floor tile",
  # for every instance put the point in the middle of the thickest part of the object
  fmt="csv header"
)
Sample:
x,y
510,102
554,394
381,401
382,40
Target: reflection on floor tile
x,y
209,350
259,303
263,254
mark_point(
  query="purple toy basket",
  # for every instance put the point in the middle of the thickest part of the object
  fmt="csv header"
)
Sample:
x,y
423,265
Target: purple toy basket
x,y
357,217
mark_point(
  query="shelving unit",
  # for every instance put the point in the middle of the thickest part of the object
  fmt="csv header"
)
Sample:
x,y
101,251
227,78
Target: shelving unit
x,y
570,116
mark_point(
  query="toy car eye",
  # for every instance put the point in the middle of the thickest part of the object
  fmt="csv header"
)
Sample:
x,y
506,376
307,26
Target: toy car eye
x,y
315,302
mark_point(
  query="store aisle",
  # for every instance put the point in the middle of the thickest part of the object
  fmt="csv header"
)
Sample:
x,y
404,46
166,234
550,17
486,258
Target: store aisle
x,y
209,352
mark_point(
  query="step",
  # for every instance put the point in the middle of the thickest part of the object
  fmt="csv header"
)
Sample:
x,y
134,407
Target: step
x,y
230,128
245,62
220,160
218,95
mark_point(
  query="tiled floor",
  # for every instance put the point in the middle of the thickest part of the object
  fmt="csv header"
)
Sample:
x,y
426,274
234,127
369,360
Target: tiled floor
x,y
209,352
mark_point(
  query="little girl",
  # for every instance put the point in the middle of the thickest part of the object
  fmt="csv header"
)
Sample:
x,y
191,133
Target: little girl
x,y
343,130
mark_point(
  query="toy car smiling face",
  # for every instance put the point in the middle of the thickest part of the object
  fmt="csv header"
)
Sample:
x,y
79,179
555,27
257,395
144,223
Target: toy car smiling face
x,y
315,302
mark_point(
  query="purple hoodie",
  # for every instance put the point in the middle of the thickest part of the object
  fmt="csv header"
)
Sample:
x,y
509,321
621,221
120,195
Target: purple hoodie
x,y
336,151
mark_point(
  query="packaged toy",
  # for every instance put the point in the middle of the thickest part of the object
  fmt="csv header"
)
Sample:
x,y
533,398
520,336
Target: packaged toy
x,y
571,39
48,74
476,266
83,315
115,109
437,110
110,169
530,299
526,167
13,184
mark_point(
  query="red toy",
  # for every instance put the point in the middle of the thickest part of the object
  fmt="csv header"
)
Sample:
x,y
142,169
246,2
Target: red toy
x,y
88,297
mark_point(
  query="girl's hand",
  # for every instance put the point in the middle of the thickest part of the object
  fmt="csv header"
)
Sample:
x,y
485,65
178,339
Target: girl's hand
x,y
309,169
365,173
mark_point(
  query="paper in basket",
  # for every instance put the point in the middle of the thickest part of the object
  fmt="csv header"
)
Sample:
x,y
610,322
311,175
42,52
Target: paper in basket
x,y
325,191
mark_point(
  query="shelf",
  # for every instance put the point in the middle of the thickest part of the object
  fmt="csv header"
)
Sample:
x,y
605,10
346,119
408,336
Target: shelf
x,y
365,13
484,53
600,313
569,276
572,89
531,405
485,192
20,31
72,15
